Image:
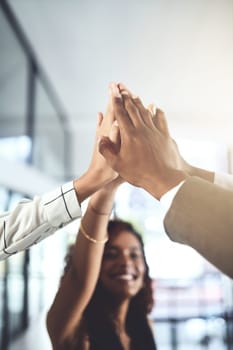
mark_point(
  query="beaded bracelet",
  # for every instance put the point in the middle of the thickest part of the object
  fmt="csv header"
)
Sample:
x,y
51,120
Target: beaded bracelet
x,y
93,240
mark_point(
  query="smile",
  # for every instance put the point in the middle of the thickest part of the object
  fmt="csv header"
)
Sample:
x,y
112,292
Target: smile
x,y
125,277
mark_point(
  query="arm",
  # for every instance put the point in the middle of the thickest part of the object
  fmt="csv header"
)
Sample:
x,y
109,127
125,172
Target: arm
x,y
201,213
201,217
79,281
33,220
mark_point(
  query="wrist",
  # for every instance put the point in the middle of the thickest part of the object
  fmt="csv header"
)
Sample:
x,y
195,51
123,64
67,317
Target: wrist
x,y
189,169
202,173
101,202
102,174
158,187
87,184
94,180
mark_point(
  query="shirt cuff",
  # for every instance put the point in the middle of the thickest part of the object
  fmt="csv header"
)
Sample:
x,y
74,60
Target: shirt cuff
x,y
167,198
61,205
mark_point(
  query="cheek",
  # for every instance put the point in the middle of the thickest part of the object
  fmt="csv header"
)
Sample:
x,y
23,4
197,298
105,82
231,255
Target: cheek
x,y
142,271
141,268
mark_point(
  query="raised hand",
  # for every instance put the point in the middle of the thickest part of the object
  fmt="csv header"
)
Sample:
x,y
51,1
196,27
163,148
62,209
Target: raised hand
x,y
99,173
98,164
146,155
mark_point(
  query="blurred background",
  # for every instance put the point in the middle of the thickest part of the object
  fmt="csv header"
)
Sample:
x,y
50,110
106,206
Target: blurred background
x,y
56,61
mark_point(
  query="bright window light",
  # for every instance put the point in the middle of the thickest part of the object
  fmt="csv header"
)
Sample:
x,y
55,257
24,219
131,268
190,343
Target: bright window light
x,y
15,148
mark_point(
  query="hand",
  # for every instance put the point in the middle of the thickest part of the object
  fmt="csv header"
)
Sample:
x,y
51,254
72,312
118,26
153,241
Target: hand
x,y
98,165
99,173
146,155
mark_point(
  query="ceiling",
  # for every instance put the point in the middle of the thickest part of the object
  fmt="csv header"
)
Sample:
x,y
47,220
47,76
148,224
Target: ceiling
x,y
176,53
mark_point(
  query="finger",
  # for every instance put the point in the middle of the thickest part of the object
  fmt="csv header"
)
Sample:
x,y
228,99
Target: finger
x,y
146,116
108,150
132,109
145,113
109,115
151,107
137,112
121,115
152,110
160,122
123,88
100,118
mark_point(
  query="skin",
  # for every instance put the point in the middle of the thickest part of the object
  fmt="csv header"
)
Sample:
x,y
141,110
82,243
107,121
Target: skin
x,y
103,181
78,284
122,274
145,140
123,268
98,173
140,138
142,143
123,256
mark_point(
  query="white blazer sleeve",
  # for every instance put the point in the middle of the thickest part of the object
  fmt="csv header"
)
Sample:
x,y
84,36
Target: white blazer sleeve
x,y
33,220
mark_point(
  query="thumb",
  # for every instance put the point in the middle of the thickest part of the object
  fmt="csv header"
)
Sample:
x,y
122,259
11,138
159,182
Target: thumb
x,y
108,150
100,118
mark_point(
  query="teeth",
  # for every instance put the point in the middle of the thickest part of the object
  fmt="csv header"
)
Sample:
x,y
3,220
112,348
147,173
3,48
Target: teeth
x,y
125,277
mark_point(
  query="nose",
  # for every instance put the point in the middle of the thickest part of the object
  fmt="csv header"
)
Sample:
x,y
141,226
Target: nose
x,y
125,259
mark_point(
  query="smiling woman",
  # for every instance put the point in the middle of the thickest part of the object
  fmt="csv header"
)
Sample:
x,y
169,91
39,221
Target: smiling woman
x,y
106,293
124,269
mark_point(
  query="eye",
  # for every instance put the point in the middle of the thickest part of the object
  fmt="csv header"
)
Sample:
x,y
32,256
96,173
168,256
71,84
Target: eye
x,y
136,255
110,254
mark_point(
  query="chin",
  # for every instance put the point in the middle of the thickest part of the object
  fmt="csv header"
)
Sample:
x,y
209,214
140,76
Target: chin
x,y
124,293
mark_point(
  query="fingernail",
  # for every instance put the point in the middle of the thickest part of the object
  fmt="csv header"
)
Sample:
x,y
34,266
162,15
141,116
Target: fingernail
x,y
115,90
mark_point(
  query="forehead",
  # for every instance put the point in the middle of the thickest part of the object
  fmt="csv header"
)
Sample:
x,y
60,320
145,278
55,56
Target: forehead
x,y
124,239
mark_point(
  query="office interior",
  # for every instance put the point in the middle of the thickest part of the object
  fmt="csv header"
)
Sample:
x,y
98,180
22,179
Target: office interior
x,y
56,61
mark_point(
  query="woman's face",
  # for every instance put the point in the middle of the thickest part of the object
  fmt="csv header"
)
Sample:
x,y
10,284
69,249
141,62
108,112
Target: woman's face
x,y
123,267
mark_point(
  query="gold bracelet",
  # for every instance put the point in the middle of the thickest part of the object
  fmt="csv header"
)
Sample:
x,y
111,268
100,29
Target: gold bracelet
x,y
96,211
93,240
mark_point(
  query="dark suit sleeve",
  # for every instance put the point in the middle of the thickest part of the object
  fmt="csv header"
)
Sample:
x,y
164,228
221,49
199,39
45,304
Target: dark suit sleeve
x,y
201,216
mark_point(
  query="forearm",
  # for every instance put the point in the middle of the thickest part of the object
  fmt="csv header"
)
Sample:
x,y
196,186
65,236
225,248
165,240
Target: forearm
x,y
33,220
202,173
87,255
201,217
79,281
